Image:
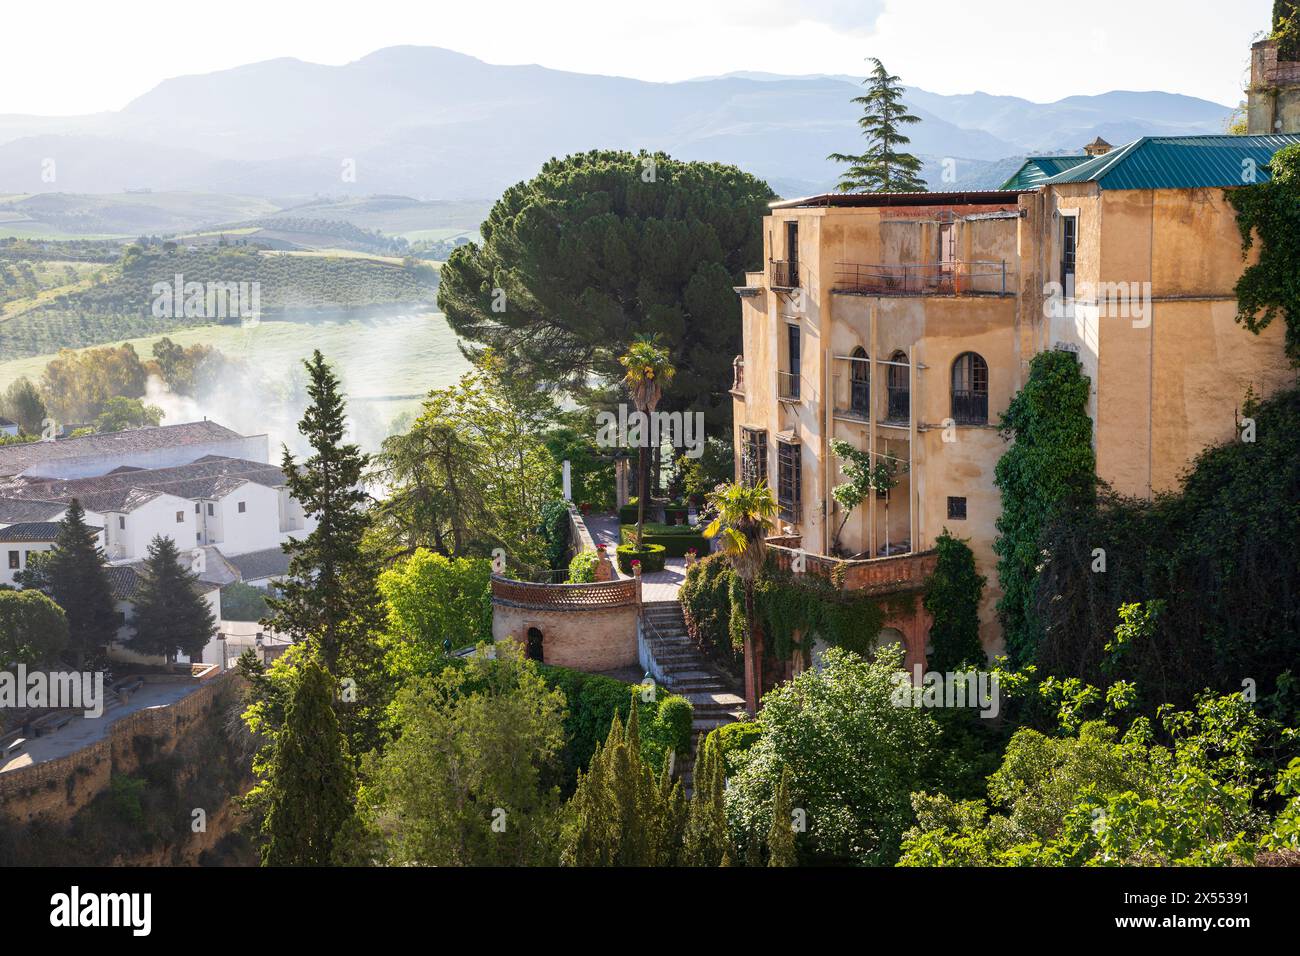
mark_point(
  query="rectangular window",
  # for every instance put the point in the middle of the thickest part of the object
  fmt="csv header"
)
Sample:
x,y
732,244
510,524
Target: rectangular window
x,y
1069,243
957,509
753,456
121,522
794,354
792,253
210,509
196,507
241,507
789,479
180,517
13,560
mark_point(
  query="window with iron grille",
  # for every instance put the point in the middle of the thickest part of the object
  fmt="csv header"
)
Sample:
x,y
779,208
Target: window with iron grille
x,y
1069,243
753,456
789,479
970,390
956,509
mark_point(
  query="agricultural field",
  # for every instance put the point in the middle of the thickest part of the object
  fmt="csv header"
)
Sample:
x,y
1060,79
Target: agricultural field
x,y
26,284
120,307
387,362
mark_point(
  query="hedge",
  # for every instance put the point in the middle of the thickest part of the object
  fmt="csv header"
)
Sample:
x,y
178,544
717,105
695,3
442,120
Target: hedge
x,y
676,539
592,702
582,569
651,558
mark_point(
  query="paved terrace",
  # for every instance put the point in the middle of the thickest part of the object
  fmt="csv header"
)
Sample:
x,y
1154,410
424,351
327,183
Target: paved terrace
x,y
82,732
655,586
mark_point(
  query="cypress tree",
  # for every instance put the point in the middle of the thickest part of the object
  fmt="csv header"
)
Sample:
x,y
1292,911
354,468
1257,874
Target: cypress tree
x,y
707,840
74,575
170,615
329,598
780,838
952,597
309,780
882,168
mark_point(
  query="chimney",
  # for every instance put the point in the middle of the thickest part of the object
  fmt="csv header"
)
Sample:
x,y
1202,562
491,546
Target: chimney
x,y
1098,147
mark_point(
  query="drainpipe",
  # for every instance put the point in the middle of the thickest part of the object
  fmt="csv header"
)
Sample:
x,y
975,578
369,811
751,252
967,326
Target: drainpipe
x,y
828,459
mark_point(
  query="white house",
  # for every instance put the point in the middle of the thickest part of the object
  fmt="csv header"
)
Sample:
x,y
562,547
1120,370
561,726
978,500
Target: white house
x,y
18,542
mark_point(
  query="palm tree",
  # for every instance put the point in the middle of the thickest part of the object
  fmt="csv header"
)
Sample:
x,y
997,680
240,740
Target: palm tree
x,y
745,516
649,370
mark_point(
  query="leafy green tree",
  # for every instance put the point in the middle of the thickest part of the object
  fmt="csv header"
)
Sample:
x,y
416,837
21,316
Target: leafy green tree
x,y
74,574
22,403
76,385
1049,467
120,413
1096,798
243,602
308,782
429,599
882,168
620,814
473,472
952,597
853,754
649,372
470,778
602,246
780,838
33,629
171,616
745,516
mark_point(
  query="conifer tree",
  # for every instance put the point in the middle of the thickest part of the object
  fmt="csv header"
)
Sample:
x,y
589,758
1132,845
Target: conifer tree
x,y
620,815
329,599
73,574
170,615
882,168
707,840
309,784
780,839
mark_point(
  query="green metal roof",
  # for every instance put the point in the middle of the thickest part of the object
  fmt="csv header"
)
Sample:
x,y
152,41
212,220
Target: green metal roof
x,y
1037,168
1179,162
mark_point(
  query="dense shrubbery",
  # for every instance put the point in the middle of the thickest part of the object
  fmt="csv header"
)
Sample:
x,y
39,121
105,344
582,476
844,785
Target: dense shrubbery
x,y
582,568
1221,556
952,597
705,597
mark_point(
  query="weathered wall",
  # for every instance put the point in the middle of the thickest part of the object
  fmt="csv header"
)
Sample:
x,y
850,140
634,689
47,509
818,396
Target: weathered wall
x,y
585,639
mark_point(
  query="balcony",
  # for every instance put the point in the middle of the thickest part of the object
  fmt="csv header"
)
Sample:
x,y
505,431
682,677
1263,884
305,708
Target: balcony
x,y
852,397
884,575
783,273
970,407
900,403
953,277
787,386
738,376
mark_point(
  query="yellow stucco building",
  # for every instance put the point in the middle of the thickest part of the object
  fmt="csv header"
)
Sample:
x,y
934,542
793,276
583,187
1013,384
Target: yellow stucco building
x,y
904,324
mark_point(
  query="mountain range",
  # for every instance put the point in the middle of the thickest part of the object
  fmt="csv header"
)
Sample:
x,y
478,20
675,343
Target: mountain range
x,y
437,124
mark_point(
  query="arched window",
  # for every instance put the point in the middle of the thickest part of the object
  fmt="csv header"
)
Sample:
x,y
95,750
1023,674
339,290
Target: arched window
x,y
860,383
897,387
970,390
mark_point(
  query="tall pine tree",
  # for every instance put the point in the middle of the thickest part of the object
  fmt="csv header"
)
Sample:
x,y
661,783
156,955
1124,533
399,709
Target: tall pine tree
x,y
73,574
171,616
707,840
308,780
882,168
329,599
780,838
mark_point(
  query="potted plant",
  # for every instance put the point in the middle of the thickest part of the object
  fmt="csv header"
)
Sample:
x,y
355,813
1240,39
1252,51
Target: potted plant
x,y
691,555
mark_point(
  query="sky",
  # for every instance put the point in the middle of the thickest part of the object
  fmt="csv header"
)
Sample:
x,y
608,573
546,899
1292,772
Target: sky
x,y
83,56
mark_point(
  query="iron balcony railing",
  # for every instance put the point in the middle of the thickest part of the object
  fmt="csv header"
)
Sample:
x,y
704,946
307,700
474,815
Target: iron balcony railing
x,y
852,397
954,277
784,273
787,386
970,407
900,402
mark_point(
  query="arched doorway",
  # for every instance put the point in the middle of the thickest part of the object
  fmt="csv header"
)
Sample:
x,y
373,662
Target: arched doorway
x,y
887,636
534,647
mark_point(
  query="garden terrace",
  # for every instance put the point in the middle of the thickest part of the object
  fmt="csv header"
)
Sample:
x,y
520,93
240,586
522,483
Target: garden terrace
x,y
897,573
600,594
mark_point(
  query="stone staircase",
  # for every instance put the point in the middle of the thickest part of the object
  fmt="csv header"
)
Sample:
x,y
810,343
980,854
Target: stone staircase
x,y
689,674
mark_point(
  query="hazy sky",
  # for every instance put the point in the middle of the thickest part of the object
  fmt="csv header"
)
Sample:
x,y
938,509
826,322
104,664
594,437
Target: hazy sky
x,y
81,56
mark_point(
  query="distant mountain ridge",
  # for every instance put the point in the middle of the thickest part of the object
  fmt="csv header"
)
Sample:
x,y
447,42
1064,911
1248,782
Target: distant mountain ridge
x,y
437,124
